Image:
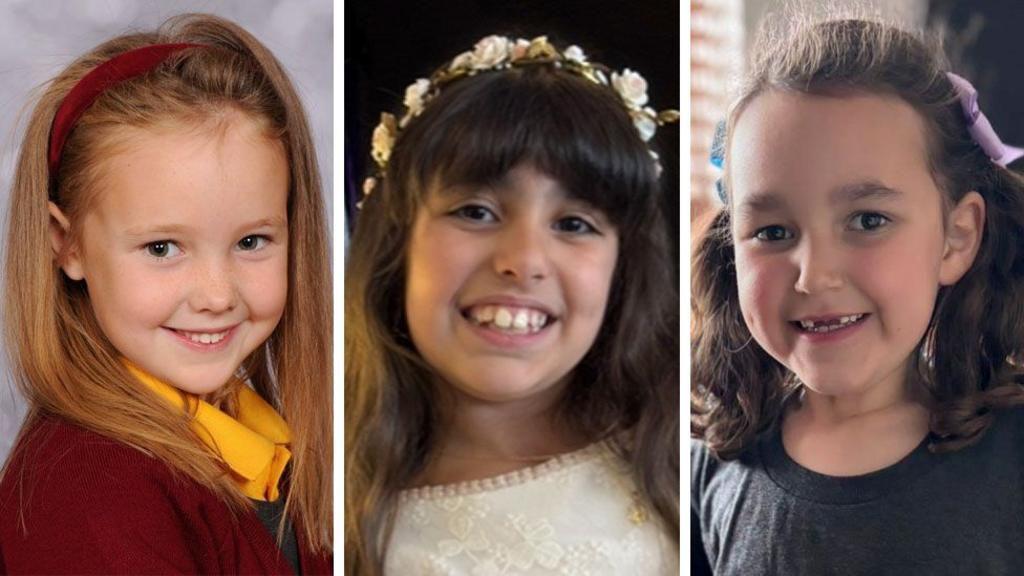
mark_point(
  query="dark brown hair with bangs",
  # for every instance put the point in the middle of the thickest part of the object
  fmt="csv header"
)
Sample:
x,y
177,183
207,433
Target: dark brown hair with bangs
x,y
966,359
625,389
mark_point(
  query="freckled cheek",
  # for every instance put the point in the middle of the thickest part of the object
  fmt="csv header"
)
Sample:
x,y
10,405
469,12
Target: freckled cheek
x,y
125,290
264,287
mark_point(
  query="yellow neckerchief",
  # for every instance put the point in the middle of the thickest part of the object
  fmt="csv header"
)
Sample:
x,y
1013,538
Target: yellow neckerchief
x,y
253,446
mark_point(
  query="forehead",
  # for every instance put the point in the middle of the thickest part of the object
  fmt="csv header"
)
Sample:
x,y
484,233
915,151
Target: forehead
x,y
184,170
787,144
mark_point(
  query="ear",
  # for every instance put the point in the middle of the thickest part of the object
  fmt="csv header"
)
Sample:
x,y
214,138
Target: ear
x,y
64,251
964,228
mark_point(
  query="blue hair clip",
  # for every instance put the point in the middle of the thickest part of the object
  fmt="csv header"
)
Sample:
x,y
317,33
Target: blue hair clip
x,y
718,146
718,157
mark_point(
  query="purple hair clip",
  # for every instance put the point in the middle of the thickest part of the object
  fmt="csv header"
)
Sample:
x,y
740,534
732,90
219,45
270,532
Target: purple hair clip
x,y
978,125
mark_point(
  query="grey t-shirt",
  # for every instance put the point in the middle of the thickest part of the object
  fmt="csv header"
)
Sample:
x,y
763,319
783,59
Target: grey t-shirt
x,y
960,513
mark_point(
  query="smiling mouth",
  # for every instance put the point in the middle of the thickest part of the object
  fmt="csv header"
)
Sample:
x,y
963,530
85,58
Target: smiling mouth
x,y
824,326
508,319
203,338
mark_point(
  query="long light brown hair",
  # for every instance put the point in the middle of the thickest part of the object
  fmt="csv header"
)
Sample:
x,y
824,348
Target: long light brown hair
x,y
965,360
626,386
63,363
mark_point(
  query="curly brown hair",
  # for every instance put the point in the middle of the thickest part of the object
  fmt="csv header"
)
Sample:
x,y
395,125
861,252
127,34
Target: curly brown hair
x,y
966,358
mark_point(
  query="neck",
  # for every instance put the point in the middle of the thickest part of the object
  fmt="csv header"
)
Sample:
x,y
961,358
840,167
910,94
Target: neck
x,y
481,439
894,392
520,428
855,434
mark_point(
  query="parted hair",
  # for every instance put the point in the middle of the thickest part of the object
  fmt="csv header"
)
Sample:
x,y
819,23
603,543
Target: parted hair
x,y
63,363
966,360
625,389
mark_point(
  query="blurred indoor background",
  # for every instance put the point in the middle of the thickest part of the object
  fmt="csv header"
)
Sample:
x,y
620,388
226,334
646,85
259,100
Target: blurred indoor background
x,y
979,39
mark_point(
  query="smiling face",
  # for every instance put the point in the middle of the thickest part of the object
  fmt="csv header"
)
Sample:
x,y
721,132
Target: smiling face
x,y
838,233
184,250
507,285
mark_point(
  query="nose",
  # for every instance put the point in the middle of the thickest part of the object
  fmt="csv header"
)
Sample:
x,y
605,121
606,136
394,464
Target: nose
x,y
820,267
214,288
522,252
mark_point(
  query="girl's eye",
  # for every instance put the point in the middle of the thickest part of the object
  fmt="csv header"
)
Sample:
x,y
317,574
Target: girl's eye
x,y
253,242
574,225
163,249
773,234
868,221
475,213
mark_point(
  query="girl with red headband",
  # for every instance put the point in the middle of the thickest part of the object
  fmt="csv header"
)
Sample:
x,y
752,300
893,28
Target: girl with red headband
x,y
167,307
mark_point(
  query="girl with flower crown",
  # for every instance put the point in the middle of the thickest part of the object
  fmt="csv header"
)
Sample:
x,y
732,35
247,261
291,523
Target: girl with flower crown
x,y
511,362
857,390
166,310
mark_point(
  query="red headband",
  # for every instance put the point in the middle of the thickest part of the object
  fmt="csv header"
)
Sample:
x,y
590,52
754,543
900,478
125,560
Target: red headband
x,y
114,71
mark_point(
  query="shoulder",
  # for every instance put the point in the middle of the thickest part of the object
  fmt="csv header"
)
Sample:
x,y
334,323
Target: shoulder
x,y
1005,436
712,476
703,465
73,498
58,459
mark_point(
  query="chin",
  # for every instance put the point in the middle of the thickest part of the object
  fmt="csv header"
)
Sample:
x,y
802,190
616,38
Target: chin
x,y
198,384
829,387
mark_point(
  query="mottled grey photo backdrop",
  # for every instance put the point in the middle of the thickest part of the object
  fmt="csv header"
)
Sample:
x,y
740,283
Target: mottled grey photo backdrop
x,y
39,37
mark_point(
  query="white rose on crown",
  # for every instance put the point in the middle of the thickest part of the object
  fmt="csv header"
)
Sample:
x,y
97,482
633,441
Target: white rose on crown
x,y
414,95
519,49
631,87
384,139
462,60
490,52
575,53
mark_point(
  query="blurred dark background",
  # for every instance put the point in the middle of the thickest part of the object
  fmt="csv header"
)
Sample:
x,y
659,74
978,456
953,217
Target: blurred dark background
x,y
391,43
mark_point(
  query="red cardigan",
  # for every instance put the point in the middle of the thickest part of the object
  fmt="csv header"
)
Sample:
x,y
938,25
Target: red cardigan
x,y
73,501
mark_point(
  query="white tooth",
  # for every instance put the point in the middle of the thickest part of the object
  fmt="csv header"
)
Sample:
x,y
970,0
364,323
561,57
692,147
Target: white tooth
x,y
537,319
521,320
503,318
204,338
485,314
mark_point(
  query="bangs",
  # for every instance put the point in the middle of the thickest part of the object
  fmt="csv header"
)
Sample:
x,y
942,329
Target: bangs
x,y
574,131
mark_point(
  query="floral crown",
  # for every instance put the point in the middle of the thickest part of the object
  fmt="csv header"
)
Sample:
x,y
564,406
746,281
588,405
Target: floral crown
x,y
502,53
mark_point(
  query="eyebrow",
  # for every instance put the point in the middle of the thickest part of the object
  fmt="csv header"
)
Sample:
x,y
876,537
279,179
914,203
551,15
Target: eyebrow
x,y
175,229
767,201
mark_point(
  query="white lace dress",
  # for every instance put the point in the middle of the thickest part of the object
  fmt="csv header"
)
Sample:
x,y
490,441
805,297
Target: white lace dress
x,y
578,513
